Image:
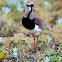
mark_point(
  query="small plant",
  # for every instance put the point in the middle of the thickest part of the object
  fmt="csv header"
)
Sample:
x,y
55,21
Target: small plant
x,y
59,21
30,60
1,41
23,61
16,4
14,52
54,58
47,59
11,29
47,54
6,10
48,39
47,4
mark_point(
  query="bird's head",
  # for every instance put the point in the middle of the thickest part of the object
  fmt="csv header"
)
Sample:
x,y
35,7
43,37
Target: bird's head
x,y
29,7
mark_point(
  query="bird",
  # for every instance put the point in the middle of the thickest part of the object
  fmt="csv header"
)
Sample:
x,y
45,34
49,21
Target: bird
x,y
33,23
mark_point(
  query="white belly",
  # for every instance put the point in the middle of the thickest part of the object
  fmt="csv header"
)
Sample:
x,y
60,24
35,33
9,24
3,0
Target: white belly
x,y
36,30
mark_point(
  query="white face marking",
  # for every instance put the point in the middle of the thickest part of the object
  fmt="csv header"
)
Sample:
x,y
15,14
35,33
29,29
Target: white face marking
x,y
29,8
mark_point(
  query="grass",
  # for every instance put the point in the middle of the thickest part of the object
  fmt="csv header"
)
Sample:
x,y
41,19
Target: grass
x,y
2,3
55,33
26,42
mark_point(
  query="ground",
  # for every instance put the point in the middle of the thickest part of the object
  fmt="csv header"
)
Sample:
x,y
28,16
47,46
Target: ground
x,y
14,32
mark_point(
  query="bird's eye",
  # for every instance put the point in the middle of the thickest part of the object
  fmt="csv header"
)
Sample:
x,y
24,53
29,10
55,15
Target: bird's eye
x,y
28,5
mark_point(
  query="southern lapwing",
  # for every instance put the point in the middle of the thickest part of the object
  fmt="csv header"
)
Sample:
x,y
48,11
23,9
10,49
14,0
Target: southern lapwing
x,y
34,24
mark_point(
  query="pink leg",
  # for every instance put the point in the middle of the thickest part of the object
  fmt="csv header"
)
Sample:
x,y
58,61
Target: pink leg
x,y
37,42
34,40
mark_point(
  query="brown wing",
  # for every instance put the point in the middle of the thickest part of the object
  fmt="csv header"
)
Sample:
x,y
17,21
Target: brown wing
x,y
38,21
43,25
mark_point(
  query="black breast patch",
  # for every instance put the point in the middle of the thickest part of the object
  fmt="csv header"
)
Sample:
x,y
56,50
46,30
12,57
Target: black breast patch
x,y
28,23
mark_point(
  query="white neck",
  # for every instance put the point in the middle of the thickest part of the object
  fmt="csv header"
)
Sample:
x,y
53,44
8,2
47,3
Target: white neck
x,y
32,16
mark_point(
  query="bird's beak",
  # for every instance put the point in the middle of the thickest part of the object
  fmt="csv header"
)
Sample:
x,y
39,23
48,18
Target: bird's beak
x,y
33,9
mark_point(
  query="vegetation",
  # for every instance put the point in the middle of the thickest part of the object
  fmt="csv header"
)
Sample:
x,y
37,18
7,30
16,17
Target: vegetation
x,y
17,42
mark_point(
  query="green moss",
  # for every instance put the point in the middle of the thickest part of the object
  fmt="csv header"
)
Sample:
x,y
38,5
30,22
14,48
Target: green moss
x,y
1,55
